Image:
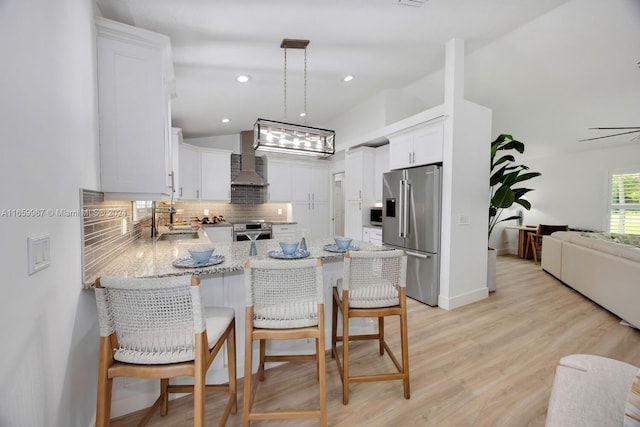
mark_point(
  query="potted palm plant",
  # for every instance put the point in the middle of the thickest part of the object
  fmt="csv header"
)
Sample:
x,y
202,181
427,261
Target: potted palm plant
x,y
505,191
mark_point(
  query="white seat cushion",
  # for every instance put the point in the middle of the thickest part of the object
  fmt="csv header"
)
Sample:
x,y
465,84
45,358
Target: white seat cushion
x,y
218,319
374,294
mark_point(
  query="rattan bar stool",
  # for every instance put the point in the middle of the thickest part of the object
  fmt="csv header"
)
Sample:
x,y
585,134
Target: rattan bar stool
x,y
373,285
159,328
284,301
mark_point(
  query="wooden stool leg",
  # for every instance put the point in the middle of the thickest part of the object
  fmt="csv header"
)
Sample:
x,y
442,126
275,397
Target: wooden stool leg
x,y
231,357
404,342
248,361
381,335
105,384
322,376
334,322
103,412
345,352
164,396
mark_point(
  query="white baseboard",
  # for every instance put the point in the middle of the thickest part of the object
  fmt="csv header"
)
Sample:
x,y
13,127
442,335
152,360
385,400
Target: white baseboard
x,y
450,303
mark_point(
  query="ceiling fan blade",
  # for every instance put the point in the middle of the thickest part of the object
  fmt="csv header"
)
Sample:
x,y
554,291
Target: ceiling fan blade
x,y
614,128
609,136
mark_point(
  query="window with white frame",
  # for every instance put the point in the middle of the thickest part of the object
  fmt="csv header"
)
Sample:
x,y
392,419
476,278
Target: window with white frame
x,y
624,203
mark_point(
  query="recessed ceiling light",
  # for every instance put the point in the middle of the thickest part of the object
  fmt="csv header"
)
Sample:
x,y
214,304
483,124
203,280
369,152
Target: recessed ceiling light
x,y
347,78
225,120
303,114
243,78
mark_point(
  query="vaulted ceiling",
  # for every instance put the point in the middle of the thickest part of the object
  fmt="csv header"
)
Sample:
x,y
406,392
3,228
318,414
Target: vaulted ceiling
x,y
384,44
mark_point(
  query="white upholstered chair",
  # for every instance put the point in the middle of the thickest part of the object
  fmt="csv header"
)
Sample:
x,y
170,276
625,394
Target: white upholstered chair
x,y
284,301
372,285
158,328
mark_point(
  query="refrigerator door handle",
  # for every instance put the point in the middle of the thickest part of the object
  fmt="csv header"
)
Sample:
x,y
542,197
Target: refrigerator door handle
x,y
407,210
401,209
417,255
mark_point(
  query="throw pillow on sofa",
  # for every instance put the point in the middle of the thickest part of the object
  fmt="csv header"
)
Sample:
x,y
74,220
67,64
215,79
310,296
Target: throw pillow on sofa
x,y
628,239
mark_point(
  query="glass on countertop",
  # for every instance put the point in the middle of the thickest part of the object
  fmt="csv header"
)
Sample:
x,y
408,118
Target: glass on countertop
x,y
253,236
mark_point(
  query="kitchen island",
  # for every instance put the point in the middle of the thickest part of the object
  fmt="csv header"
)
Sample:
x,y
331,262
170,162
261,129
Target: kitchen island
x,y
222,285
150,257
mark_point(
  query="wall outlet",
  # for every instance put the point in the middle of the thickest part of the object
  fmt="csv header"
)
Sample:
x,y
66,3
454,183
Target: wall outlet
x,y
463,219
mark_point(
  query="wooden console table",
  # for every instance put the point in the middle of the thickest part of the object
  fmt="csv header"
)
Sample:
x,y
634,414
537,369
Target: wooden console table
x,y
524,251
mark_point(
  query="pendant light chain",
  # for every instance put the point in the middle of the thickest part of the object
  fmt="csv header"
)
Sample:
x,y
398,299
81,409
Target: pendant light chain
x,y
285,84
305,85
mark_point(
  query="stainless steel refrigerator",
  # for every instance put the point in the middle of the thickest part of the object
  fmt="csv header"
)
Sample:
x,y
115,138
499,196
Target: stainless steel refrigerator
x,y
411,221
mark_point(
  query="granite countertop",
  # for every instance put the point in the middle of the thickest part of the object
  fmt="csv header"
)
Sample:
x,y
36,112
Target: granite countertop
x,y
149,257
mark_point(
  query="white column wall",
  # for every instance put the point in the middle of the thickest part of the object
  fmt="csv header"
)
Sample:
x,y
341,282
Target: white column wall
x,y
48,325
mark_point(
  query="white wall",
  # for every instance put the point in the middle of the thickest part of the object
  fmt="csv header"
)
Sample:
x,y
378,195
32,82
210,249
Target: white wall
x,y
545,80
573,189
48,326
225,142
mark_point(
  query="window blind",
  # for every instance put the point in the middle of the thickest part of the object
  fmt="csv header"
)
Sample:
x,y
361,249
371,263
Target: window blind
x,y
624,207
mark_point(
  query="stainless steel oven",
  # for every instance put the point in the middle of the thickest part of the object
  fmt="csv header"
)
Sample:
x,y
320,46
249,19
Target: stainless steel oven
x,y
239,229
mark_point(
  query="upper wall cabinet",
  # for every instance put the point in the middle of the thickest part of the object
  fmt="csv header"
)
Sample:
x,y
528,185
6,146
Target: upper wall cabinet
x,y
420,145
279,179
205,174
135,75
297,180
215,166
189,188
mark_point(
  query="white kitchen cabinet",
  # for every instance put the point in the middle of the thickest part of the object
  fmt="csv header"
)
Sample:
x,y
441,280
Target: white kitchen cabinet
x,y
297,181
313,218
279,179
353,219
359,182
372,235
311,182
205,174
176,142
215,173
134,95
219,234
189,173
320,182
284,231
320,217
310,197
420,145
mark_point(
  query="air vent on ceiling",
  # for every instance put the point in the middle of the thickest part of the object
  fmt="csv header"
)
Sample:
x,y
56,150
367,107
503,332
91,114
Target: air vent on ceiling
x,y
415,3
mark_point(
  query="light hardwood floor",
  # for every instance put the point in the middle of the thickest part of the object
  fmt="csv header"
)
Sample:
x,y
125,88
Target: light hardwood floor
x,y
490,363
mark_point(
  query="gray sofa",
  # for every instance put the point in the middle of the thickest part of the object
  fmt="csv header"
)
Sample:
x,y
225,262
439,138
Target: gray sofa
x,y
603,267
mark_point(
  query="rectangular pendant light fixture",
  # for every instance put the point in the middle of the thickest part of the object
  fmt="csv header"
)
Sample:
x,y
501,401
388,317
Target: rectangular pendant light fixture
x,y
280,137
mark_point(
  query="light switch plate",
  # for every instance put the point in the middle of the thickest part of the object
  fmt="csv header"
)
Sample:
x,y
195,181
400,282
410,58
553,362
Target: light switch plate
x,y
38,252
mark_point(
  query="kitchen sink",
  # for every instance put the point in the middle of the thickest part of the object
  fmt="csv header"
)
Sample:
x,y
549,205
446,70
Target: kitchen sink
x,y
179,235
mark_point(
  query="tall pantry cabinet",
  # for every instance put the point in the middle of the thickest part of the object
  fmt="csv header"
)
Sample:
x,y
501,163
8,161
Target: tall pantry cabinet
x,y
360,189
135,77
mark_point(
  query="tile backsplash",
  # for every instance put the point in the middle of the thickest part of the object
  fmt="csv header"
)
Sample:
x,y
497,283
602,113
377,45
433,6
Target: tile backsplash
x,y
107,229
230,211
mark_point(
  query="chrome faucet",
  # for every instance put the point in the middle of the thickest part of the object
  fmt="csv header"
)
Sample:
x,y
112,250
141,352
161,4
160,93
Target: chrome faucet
x,y
155,210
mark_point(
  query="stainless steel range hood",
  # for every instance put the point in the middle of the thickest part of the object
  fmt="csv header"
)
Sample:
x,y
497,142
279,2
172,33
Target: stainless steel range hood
x,y
248,176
